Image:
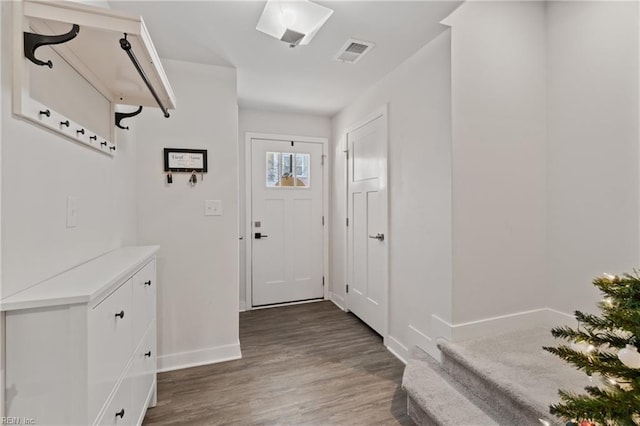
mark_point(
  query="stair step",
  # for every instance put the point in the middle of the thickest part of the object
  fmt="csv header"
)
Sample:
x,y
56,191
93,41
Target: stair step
x,y
431,400
513,374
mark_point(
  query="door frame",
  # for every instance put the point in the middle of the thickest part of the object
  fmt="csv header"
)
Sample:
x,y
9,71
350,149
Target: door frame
x,y
381,112
248,247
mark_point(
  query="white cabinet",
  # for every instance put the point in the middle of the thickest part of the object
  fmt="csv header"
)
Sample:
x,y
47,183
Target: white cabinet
x,y
81,347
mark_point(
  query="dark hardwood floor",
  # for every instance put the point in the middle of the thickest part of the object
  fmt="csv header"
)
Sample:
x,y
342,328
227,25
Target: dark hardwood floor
x,y
308,364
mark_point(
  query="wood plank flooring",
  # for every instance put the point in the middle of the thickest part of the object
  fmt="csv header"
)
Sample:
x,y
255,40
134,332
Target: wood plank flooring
x,y
308,364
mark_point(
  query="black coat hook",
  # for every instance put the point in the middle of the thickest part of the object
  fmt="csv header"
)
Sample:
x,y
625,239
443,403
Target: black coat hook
x,y
46,112
122,115
79,131
33,41
112,148
94,137
103,143
64,123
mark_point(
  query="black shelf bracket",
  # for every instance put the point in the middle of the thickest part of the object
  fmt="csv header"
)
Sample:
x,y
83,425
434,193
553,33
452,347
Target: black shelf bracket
x,y
122,115
126,46
33,41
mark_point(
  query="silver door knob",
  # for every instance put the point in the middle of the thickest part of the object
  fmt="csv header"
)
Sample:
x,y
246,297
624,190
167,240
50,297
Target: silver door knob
x,y
379,237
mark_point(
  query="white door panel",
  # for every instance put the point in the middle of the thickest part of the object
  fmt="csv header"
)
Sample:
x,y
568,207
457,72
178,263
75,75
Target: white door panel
x,y
272,270
365,155
367,210
376,268
286,218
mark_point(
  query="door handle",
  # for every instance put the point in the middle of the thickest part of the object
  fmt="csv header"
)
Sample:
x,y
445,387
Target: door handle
x,y
259,236
379,237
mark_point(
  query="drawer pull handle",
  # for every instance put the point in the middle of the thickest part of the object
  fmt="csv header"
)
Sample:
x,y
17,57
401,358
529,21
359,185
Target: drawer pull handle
x,y
120,314
148,283
120,413
148,354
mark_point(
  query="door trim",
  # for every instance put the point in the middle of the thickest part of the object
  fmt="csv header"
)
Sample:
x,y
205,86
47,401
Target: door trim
x,y
381,112
248,247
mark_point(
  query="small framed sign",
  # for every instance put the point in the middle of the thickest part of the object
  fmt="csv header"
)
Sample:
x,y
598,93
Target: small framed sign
x,y
185,160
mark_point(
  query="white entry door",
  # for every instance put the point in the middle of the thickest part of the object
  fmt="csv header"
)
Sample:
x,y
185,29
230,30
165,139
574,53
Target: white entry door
x,y
367,232
286,221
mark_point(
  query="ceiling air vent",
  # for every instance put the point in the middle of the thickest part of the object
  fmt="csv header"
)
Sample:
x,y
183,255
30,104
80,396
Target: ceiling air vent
x,y
353,50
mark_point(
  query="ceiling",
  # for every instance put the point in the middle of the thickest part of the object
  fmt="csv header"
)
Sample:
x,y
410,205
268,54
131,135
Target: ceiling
x,y
304,79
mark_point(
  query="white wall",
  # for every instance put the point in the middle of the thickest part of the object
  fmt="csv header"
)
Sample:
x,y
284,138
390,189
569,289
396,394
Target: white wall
x,y
593,146
198,259
2,314
39,170
419,167
257,121
499,158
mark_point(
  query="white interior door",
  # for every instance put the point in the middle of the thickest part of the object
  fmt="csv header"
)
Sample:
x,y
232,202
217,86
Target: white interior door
x,y
286,221
367,232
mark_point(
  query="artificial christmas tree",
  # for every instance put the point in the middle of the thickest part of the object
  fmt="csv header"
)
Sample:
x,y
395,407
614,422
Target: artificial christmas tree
x,y
606,348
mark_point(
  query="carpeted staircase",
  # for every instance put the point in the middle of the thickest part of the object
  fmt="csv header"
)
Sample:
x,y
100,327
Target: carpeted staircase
x,y
503,380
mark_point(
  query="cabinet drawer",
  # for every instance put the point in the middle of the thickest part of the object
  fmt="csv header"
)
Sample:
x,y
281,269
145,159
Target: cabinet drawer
x,y
120,409
143,371
110,344
144,299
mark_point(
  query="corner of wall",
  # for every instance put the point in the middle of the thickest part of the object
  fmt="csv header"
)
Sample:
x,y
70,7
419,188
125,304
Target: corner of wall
x,y
338,301
399,350
213,355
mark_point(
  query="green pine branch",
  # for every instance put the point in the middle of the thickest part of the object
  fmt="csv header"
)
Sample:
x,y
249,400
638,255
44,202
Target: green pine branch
x,y
617,403
588,335
602,362
606,408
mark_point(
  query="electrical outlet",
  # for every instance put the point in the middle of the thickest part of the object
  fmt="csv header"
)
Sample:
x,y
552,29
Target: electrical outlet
x,y
72,211
212,208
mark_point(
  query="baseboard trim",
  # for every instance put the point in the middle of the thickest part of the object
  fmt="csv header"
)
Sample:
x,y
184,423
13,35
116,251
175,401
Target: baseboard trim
x,y
200,357
399,350
499,324
558,318
422,341
242,306
440,328
279,305
338,301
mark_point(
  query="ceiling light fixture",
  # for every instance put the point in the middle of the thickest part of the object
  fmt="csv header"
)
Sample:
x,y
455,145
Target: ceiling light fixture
x,y
294,22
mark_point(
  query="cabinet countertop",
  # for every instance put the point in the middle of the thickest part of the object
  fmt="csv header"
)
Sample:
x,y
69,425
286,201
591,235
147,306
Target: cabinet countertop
x,y
86,283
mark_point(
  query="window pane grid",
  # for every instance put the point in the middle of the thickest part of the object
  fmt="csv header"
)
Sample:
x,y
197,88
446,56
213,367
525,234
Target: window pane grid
x,y
288,170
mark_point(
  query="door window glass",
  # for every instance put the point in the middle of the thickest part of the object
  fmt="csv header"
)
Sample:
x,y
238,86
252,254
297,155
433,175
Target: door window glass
x,y
302,169
289,170
273,169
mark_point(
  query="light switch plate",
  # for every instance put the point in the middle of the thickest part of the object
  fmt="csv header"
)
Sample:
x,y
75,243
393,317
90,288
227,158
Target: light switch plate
x,y
72,211
212,207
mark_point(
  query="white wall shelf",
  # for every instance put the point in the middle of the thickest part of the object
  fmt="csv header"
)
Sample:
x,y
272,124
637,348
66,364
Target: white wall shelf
x,y
96,54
